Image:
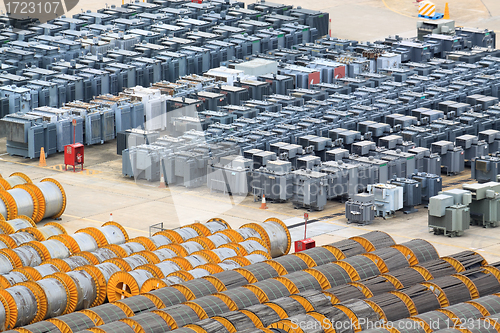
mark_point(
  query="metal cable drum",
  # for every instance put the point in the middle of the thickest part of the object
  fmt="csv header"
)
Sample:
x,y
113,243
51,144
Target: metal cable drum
x,y
26,256
453,290
262,315
45,232
407,277
50,249
25,302
224,253
103,254
279,236
179,315
258,272
376,285
76,261
141,303
235,321
309,279
286,307
192,247
39,272
392,259
187,233
468,259
86,290
169,296
114,327
307,323
421,249
209,306
363,267
132,247
20,238
242,297
82,242
459,313
40,327
54,196
17,178
312,300
149,322
247,231
439,268
423,298
268,290
485,281
107,269
198,288
491,303
435,320
348,247
160,240
230,279
374,240
254,244
25,201
127,284
344,293
57,295
216,224
208,325
19,223
168,267
321,255
358,309
108,313
335,274
164,254
292,263
134,261
72,322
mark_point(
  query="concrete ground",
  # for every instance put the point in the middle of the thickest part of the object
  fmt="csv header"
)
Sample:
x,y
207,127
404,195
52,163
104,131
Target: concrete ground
x,y
101,190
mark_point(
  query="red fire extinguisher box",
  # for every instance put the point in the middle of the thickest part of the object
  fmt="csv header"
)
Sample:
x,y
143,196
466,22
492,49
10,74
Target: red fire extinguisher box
x,y
73,155
304,244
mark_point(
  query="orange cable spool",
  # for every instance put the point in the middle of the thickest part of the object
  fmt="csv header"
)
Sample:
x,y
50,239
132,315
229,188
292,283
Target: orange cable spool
x,y
71,290
156,300
12,257
75,248
96,234
34,198
148,243
119,226
246,274
22,175
184,275
412,309
172,235
474,293
182,262
292,288
8,241
40,248
198,309
118,250
240,250
408,253
122,264
89,256
61,265
287,232
205,242
441,296
41,299
200,228
4,185
217,219
41,202
231,234
153,284
382,267
122,285
333,299
455,263
179,250
208,255
64,200
100,282
29,272
286,326
149,256
153,269
260,230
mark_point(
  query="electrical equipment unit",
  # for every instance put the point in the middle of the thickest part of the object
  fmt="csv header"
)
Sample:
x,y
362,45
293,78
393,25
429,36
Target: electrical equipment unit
x,y
449,212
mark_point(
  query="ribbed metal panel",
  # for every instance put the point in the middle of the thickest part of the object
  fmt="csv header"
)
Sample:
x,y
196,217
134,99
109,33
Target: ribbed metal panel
x,y
265,314
262,271
341,321
485,282
349,247
116,327
423,250
109,312
392,258
346,292
464,311
200,287
182,314
409,326
212,305
239,320
151,322
243,297
304,281
491,303
454,289
289,305
379,239
364,266
423,298
316,298
320,255
291,263
139,304
362,310
42,327
436,320
407,276
169,296
377,285
394,308
273,289
468,259
335,274
211,326
77,321
439,268
231,279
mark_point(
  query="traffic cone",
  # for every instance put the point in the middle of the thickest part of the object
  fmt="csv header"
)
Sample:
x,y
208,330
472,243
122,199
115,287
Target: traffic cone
x,y
263,205
446,15
42,162
110,217
162,182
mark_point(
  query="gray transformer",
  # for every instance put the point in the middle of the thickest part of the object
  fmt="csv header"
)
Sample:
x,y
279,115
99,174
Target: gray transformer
x,y
430,185
485,168
425,161
230,175
309,189
449,212
485,205
472,146
412,193
452,158
275,181
360,209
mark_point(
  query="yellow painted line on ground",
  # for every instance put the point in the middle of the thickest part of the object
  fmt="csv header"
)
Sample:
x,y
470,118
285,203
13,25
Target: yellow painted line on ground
x,y
395,11
101,223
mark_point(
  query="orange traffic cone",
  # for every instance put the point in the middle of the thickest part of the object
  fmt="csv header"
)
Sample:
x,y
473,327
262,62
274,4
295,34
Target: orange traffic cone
x,y
42,162
263,205
110,217
162,182
446,15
